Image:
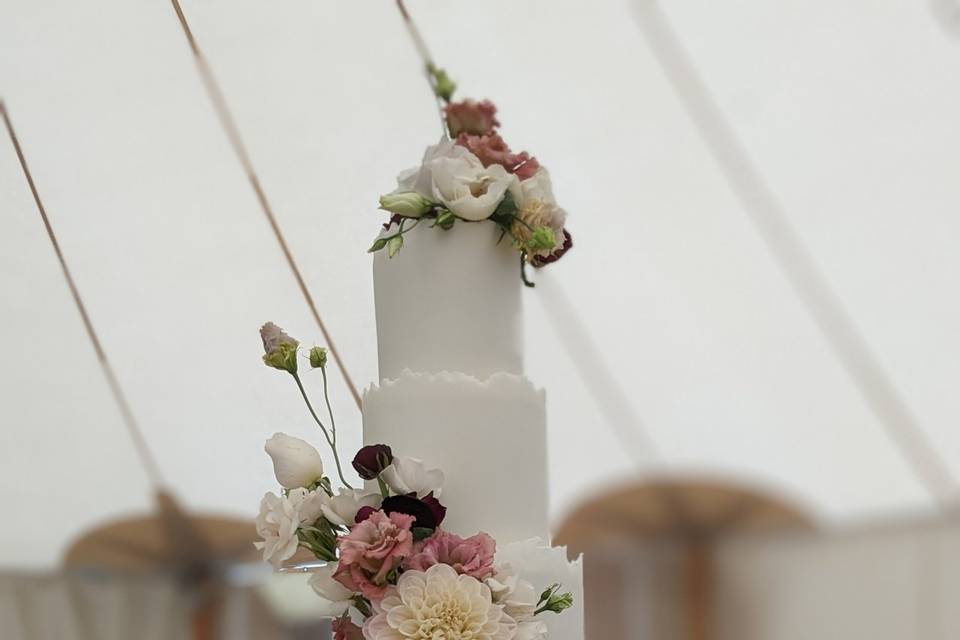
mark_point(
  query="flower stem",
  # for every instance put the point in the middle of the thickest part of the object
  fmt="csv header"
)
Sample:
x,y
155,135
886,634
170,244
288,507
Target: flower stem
x,y
326,434
523,270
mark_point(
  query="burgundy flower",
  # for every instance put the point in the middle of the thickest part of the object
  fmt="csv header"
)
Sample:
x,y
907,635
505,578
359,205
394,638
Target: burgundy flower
x,y
371,460
540,261
425,515
363,513
439,511
470,116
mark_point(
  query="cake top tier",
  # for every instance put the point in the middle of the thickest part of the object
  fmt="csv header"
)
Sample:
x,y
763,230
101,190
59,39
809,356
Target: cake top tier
x,y
471,175
449,302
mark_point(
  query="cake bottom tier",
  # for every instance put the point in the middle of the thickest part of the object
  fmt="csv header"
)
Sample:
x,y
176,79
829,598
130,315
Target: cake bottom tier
x,y
488,437
542,566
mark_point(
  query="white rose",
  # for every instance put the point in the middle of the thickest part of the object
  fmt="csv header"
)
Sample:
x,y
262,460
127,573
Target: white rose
x,y
470,190
534,630
410,475
295,462
337,598
277,524
342,508
452,175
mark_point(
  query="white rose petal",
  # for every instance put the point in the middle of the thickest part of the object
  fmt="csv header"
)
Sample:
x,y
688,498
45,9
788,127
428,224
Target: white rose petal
x,y
539,188
336,597
420,179
342,508
295,462
308,504
410,475
470,190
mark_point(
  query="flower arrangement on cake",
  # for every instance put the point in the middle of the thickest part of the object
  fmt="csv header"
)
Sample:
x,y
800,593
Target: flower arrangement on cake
x,y
392,572
472,175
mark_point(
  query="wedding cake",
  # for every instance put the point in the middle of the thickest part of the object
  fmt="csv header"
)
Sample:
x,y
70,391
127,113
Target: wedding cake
x,y
449,536
452,390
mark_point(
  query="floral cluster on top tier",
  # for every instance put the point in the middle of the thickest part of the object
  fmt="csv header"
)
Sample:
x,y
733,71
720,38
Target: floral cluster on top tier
x,y
473,176
392,572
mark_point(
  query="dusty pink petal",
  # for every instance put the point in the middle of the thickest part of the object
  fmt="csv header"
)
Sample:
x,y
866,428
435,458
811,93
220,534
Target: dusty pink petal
x,y
470,116
373,549
472,556
491,149
344,629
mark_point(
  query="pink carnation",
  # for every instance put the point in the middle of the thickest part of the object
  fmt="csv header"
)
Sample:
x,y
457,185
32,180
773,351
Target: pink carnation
x,y
470,116
472,557
344,629
491,149
373,549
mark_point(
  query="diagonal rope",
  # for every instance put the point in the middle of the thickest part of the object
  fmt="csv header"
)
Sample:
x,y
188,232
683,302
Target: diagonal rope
x,y
232,132
129,420
795,261
428,65
594,372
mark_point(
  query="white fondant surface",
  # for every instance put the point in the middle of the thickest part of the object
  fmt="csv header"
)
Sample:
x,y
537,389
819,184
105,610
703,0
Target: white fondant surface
x,y
489,437
449,301
542,566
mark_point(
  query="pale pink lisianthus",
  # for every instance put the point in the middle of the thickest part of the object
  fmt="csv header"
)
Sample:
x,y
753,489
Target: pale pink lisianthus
x,y
470,116
472,556
373,549
491,149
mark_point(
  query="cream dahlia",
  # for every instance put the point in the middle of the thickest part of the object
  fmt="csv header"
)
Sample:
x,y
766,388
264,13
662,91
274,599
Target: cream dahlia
x,y
438,603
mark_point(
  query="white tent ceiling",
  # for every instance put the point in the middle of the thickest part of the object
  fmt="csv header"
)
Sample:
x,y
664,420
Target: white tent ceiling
x,y
848,108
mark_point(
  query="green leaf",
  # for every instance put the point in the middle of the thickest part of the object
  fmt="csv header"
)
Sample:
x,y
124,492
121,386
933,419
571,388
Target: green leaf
x,y
421,533
506,211
379,244
393,245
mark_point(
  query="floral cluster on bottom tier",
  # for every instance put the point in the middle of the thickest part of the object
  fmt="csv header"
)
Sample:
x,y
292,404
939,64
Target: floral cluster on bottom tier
x,y
392,572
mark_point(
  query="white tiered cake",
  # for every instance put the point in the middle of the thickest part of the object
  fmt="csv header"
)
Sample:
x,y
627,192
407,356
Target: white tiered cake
x,y
452,392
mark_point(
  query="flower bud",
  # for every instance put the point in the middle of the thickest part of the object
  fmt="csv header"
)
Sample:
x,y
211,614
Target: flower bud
x,y
542,239
446,219
318,357
279,349
295,462
372,459
408,204
443,86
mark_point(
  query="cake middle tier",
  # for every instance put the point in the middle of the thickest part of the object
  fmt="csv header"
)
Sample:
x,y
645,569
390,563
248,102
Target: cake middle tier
x,y
488,437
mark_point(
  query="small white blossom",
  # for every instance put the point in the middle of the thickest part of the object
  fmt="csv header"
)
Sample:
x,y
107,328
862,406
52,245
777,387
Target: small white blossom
x,y
336,597
277,524
517,596
342,508
533,630
410,475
